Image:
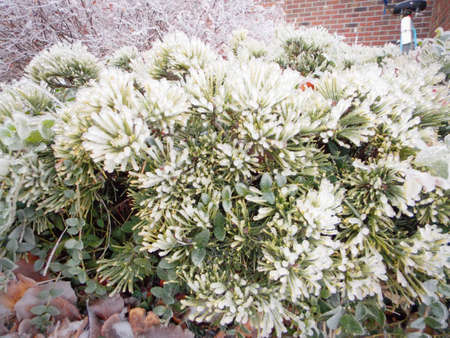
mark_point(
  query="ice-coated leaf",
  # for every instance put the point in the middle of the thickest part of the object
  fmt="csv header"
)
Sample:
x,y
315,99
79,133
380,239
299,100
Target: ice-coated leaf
x,y
202,238
435,323
333,321
197,256
418,323
439,311
266,182
350,324
241,189
226,199
158,292
269,197
219,226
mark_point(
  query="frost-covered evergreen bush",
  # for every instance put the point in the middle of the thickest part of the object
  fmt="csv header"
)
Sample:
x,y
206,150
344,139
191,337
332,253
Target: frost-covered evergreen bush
x,y
299,186
28,26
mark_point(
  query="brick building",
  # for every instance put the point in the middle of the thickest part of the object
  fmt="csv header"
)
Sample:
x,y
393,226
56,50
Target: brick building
x,y
363,21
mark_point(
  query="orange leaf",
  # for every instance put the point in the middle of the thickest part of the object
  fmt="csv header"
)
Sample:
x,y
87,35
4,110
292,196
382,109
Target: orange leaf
x,y
305,85
139,322
15,291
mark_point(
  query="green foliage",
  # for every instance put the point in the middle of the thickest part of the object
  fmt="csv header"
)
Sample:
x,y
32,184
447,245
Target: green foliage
x,y
303,57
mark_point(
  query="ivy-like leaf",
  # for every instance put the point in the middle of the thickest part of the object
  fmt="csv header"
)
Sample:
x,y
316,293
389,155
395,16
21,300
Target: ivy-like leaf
x,y
202,238
219,226
266,182
197,256
351,325
226,199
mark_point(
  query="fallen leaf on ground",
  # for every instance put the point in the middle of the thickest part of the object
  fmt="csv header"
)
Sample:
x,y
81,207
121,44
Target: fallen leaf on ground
x,y
26,267
31,298
66,309
94,323
107,328
105,308
140,322
68,329
121,330
26,328
170,331
15,291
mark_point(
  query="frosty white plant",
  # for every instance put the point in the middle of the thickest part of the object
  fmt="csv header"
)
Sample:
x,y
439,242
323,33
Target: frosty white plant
x,y
28,27
285,186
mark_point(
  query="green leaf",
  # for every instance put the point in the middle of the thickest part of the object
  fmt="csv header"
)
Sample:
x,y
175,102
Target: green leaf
x,y
226,199
204,198
162,293
333,321
434,323
44,295
197,256
166,274
12,245
69,194
361,312
165,264
29,236
34,137
377,313
158,292
202,238
219,226
53,310
439,311
48,123
38,309
25,247
269,197
71,244
281,180
418,323
351,325
241,189
417,335
74,222
266,182
56,292
6,264
444,290
90,286
73,230
37,266
159,310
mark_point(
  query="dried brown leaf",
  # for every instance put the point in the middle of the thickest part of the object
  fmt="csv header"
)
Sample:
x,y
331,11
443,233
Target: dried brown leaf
x,y
94,324
15,291
105,308
26,268
107,328
31,298
140,322
66,309
170,331
122,330
26,328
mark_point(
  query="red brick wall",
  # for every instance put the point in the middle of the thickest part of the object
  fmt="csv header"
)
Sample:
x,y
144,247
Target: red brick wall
x,y
441,15
357,20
